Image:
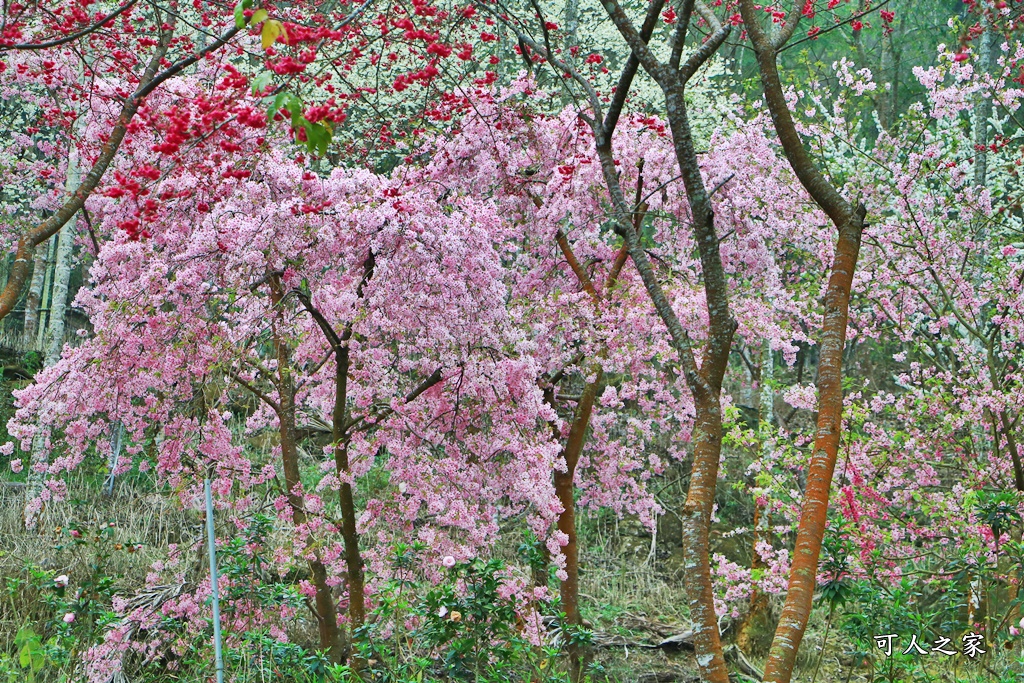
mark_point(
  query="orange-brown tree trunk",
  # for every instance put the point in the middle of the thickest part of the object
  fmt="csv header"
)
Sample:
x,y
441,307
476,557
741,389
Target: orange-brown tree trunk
x,y
565,482
811,528
565,489
849,221
700,500
758,606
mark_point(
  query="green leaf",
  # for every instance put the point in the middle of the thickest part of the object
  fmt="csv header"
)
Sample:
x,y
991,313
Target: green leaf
x,y
293,104
289,102
31,654
278,102
261,82
240,12
24,635
258,16
317,138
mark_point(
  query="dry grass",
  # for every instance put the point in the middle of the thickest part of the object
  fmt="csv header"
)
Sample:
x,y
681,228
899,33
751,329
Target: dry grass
x,y
628,590
148,520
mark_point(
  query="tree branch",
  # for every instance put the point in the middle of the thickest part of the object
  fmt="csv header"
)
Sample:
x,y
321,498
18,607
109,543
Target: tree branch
x,y
820,189
256,392
629,72
377,415
704,53
636,42
71,37
782,46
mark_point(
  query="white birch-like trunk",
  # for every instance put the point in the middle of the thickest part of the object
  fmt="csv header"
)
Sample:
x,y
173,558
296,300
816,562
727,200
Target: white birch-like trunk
x,y
983,107
55,341
766,410
982,114
45,296
766,413
34,299
59,298
572,23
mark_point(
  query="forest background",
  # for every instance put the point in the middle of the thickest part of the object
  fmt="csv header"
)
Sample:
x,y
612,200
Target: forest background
x,y
531,341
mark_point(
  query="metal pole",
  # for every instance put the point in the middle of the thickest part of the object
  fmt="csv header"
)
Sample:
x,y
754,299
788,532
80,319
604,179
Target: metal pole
x,y
211,542
116,434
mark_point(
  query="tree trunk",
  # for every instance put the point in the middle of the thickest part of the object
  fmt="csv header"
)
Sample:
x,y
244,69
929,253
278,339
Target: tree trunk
x,y
35,479
116,441
811,528
890,71
849,222
1015,455
758,610
58,295
983,106
572,23
39,343
565,488
565,482
353,558
340,419
59,298
331,638
700,500
341,423
34,300
705,381
707,440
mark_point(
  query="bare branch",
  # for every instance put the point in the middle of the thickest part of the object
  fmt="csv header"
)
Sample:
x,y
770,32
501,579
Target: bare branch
x,y
376,416
318,317
629,72
703,53
637,44
256,392
73,36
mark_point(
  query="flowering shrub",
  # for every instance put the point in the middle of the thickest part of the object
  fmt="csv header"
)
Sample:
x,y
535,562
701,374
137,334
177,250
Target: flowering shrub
x,y
481,622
